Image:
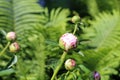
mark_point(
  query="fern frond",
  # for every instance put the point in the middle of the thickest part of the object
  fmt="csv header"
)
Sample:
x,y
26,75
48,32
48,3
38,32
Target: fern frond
x,y
104,34
107,30
57,22
19,15
104,61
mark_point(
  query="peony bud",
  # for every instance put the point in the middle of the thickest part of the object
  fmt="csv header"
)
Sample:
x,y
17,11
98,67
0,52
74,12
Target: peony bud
x,y
68,41
70,64
96,76
11,36
14,47
75,19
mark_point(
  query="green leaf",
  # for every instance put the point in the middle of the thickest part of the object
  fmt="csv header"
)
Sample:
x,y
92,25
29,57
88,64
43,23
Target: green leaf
x,y
6,72
12,62
83,68
107,29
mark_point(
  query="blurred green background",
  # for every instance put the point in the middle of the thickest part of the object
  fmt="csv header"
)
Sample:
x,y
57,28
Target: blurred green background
x,y
39,24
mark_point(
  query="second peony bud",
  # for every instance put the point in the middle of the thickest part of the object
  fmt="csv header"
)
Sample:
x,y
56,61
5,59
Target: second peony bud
x,y
11,36
68,41
14,47
75,19
70,64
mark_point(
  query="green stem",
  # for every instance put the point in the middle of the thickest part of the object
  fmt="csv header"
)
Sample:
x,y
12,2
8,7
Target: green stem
x,y
59,65
75,29
5,48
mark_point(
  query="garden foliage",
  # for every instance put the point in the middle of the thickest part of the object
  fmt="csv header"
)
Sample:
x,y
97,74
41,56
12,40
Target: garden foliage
x,y
38,30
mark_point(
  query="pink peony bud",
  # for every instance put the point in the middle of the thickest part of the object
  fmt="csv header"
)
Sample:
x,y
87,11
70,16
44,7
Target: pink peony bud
x,y
14,47
75,19
70,64
11,36
68,41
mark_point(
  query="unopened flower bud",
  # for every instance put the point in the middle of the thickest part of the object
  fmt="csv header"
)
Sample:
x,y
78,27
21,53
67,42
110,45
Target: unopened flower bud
x,y
14,47
75,19
70,64
96,75
68,41
11,36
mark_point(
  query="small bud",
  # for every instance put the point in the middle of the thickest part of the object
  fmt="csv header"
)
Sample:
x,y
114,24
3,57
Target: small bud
x,y
11,36
75,19
68,41
14,47
70,64
96,75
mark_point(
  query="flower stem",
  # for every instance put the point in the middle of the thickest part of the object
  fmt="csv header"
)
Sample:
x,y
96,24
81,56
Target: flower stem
x,y
5,48
60,64
75,29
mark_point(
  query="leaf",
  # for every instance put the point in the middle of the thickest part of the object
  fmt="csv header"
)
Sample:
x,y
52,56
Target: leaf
x,y
21,16
81,53
83,68
107,30
12,62
18,15
6,72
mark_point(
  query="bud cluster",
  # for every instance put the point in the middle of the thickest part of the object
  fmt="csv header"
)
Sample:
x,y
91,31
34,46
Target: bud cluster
x,y
11,36
69,41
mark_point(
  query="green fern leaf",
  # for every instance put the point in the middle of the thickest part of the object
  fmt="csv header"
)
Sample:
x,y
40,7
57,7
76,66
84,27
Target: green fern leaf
x,y
104,34
107,30
19,15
